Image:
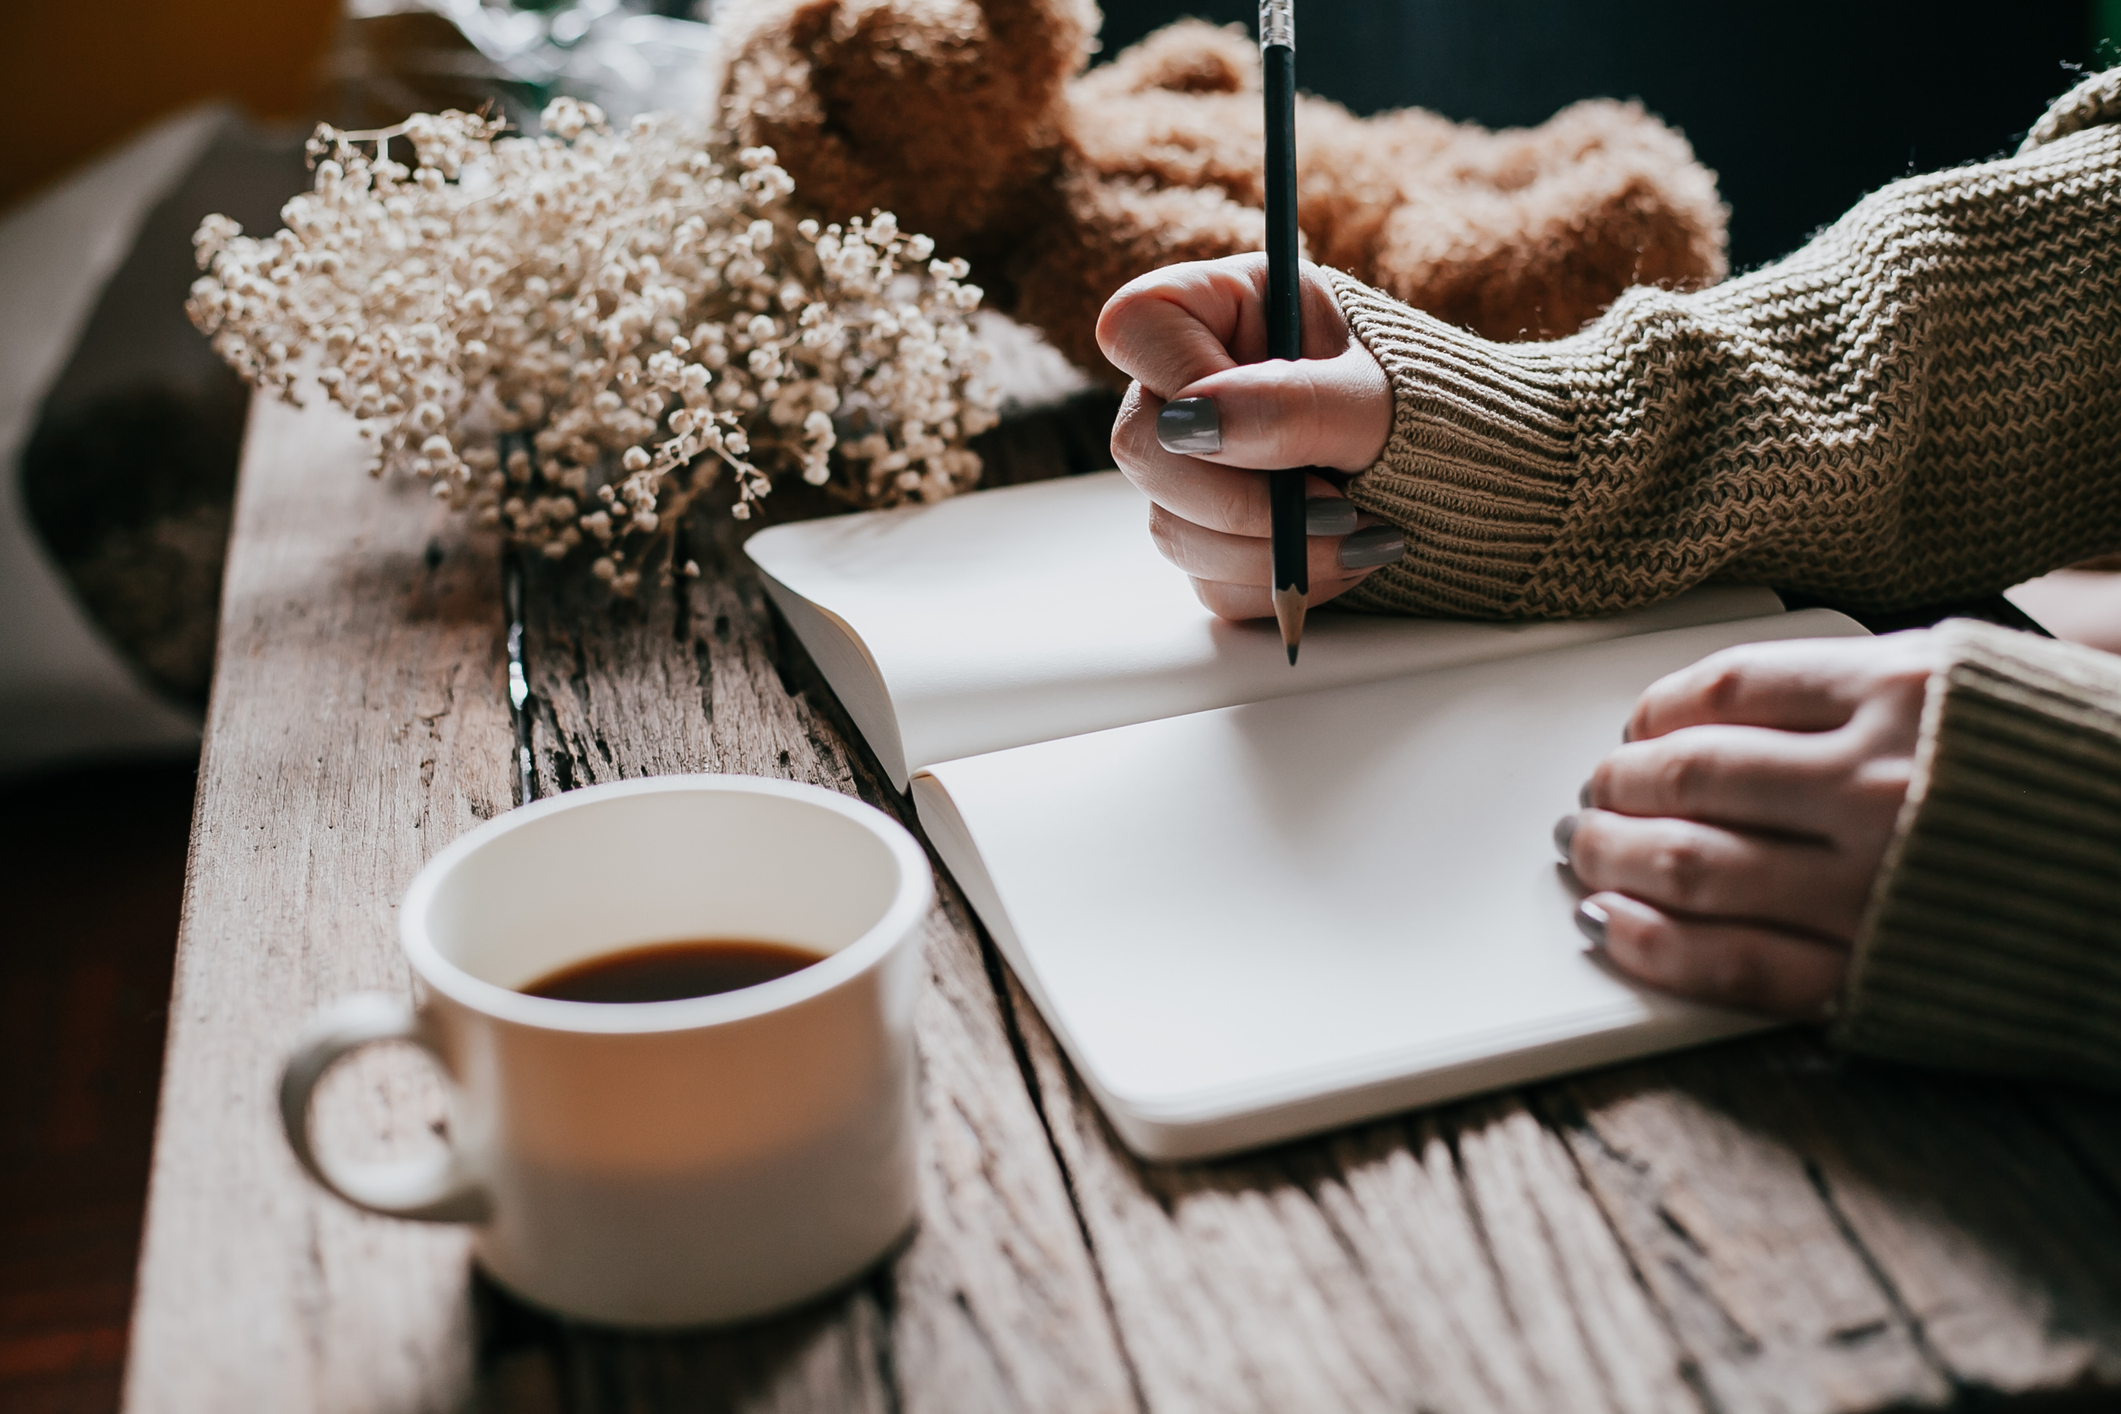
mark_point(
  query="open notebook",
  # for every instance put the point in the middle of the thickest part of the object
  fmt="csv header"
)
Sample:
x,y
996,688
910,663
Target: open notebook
x,y
1251,901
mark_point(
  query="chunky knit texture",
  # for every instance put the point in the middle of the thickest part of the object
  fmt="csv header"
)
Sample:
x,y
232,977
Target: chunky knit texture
x,y
1922,405
1994,938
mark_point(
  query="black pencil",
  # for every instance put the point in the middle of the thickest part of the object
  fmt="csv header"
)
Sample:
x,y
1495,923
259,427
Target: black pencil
x,y
1285,489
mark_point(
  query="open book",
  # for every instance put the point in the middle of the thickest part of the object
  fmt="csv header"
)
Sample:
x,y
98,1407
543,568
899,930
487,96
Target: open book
x,y
1252,901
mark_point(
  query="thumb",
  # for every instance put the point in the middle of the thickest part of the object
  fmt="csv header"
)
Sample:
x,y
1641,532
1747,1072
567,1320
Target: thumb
x,y
1330,412
1174,325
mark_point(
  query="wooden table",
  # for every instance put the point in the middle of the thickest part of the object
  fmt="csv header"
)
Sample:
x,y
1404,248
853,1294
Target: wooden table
x,y
1753,1226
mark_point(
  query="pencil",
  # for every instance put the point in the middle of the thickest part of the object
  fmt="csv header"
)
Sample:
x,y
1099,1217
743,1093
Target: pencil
x,y
1285,488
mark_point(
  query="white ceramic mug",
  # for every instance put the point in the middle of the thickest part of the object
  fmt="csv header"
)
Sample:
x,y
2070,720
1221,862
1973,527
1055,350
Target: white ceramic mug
x,y
656,1163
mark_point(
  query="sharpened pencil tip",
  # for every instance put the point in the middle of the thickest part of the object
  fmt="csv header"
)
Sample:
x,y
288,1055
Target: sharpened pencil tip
x,y
1289,613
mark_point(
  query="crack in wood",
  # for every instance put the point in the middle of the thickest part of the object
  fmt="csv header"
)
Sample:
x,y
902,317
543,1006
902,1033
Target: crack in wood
x,y
1579,1312
1861,1334
585,768
1917,1333
883,1298
1477,1221
703,674
1741,1341
679,583
521,720
1716,1338
1680,1230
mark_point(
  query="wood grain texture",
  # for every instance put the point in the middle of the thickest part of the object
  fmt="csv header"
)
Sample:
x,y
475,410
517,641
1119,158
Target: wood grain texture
x,y
356,727
1829,1235
1754,1226
1777,1310
1750,1227
1448,1261
2004,1253
994,1303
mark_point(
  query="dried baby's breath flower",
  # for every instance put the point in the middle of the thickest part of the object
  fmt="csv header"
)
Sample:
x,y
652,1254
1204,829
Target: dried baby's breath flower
x,y
573,336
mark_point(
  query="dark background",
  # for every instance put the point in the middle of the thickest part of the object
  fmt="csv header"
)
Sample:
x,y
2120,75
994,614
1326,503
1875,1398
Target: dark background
x,y
1800,108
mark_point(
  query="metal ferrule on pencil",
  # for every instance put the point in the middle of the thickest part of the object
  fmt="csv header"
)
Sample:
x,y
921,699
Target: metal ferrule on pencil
x,y
1277,23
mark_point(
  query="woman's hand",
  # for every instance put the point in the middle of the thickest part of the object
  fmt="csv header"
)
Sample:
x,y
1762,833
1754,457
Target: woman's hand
x,y
1732,843
1205,414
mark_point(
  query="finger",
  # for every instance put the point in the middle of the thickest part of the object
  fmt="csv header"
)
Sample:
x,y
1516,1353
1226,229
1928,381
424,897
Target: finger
x,y
1687,867
1746,778
1333,412
1176,325
1249,559
1219,498
1179,324
1804,685
1742,965
1241,602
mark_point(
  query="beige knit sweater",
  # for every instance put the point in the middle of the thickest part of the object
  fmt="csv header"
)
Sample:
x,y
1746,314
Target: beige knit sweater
x,y
1922,405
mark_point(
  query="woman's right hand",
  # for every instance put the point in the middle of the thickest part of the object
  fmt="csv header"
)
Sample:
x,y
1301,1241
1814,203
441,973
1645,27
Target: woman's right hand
x,y
1207,412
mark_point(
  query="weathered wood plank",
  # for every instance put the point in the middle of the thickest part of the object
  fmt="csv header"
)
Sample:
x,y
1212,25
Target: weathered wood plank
x,y
1751,1227
1831,1236
994,1304
2005,1255
1792,1234
1777,1310
1451,1261
356,727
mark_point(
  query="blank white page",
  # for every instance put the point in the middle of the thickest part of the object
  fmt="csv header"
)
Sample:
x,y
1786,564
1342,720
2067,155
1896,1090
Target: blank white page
x,y
1255,922
1032,612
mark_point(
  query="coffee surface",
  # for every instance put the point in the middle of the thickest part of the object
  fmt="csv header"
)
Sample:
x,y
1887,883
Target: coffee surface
x,y
668,972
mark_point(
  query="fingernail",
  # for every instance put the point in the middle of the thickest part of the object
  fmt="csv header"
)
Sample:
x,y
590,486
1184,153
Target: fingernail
x,y
1330,515
1191,427
1583,796
1591,921
1564,831
1367,549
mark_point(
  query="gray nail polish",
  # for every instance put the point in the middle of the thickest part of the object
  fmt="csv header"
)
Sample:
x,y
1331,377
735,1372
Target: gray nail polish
x,y
1191,427
1591,921
1367,549
1564,831
1583,797
1330,515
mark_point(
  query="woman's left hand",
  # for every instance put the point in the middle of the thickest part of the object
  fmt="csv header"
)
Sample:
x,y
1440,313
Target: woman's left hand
x,y
1731,845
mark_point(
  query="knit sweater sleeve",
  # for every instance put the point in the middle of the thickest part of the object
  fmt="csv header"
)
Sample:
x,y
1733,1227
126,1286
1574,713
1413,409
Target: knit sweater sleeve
x,y
1921,405
1993,939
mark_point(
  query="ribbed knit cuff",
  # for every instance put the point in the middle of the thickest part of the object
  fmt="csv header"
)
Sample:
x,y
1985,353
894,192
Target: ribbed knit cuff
x,y
1994,939
1479,467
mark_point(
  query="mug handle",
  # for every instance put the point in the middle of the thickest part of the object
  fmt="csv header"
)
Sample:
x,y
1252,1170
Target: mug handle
x,y
435,1189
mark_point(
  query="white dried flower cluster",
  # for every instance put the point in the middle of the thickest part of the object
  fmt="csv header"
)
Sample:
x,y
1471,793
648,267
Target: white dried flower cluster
x,y
573,335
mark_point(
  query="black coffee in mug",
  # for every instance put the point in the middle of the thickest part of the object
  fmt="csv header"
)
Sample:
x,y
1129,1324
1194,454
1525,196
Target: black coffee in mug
x,y
669,972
